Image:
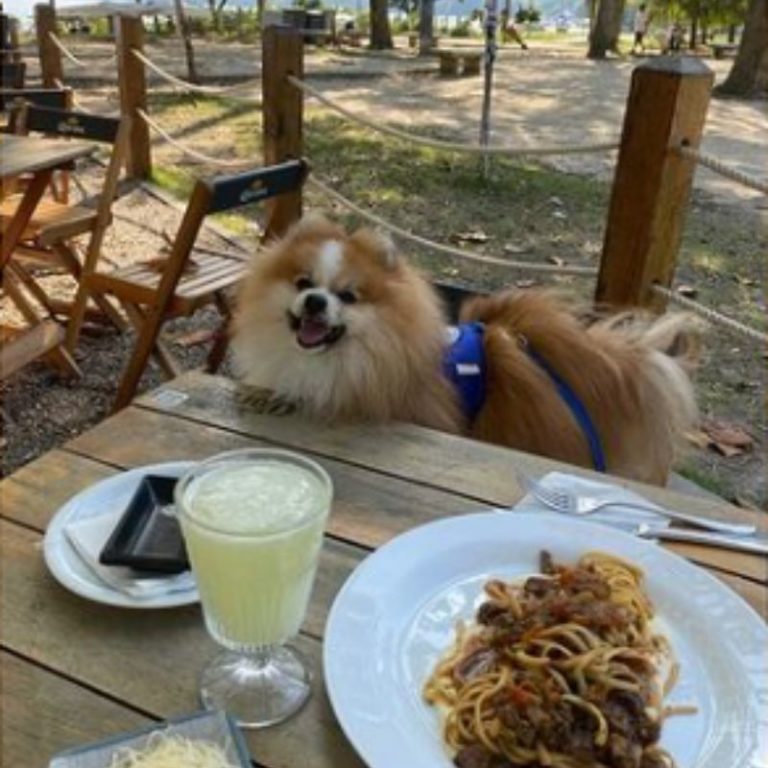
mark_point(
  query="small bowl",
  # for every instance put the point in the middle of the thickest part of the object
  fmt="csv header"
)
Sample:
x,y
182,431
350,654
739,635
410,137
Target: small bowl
x,y
148,537
214,726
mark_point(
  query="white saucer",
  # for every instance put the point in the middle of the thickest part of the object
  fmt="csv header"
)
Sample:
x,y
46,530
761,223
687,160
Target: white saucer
x,y
105,496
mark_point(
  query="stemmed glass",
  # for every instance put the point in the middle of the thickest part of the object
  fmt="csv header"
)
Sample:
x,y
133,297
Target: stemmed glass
x,y
253,524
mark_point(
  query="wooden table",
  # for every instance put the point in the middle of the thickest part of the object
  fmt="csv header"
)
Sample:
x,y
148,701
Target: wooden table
x,y
75,671
38,157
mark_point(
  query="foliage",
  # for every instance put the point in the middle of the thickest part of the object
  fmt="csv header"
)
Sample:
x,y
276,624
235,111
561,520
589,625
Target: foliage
x,y
462,29
529,15
711,13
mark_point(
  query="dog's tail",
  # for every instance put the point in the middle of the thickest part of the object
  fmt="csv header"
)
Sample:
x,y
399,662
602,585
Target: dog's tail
x,y
672,343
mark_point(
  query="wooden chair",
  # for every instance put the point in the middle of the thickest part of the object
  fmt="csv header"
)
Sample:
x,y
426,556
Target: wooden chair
x,y
11,100
13,74
54,222
150,296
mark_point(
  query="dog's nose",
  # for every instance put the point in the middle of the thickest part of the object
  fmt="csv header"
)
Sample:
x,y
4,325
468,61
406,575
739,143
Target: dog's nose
x,y
315,303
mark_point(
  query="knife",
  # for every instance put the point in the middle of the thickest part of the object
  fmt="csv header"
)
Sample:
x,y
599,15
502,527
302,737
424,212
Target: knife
x,y
757,545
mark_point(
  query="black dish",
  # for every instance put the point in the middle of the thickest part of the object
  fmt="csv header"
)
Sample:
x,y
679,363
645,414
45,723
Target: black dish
x,y
148,536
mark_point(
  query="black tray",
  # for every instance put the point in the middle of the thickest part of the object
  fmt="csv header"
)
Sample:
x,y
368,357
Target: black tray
x,y
148,538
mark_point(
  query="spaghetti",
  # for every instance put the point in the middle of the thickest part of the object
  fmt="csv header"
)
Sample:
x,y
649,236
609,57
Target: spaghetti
x,y
560,671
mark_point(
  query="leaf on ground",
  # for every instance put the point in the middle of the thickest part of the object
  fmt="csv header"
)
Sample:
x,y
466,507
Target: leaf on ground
x,y
525,283
514,249
556,260
559,215
698,438
728,439
741,280
687,290
195,338
472,236
555,200
591,248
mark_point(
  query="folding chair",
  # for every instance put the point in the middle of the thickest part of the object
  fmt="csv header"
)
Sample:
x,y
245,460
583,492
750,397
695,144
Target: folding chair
x,y
54,223
11,99
151,296
13,74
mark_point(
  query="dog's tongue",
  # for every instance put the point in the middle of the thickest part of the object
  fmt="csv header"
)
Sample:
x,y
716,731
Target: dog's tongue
x,y
312,332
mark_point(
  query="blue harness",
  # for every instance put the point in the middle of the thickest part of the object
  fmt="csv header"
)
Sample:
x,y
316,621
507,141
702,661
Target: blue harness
x,y
464,366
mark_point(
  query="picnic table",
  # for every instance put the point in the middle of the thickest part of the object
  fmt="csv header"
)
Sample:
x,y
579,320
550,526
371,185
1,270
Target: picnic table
x,y
75,671
39,158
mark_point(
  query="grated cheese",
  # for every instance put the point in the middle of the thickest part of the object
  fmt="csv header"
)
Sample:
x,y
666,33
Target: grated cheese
x,y
164,751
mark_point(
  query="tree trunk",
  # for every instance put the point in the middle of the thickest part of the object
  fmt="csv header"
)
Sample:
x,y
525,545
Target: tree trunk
x,y
604,35
183,24
745,78
260,11
381,35
426,26
214,14
694,32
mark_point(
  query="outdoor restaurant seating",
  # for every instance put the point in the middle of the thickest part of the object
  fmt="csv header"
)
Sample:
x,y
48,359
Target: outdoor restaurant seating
x,y
54,223
152,292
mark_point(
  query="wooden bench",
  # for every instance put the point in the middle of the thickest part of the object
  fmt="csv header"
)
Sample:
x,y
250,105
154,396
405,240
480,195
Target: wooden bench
x,y
458,62
721,50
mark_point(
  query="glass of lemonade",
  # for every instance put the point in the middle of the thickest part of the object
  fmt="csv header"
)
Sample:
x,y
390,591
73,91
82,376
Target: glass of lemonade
x,y
253,524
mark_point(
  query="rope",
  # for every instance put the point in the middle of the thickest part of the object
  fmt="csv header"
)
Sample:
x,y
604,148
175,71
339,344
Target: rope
x,y
724,170
712,315
63,48
449,146
208,90
447,249
232,165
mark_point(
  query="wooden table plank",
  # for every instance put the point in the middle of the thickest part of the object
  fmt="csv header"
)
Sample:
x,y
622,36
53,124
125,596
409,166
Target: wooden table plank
x,y
137,436
37,715
118,651
468,467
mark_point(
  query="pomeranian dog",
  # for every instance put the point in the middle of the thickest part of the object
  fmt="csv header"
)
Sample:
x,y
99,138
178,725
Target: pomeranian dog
x,y
342,327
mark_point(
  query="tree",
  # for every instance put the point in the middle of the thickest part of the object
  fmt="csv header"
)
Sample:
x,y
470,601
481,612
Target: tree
x,y
381,34
426,26
216,8
747,75
604,35
183,24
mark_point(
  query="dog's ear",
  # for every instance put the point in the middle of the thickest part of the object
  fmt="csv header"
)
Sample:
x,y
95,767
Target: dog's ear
x,y
378,244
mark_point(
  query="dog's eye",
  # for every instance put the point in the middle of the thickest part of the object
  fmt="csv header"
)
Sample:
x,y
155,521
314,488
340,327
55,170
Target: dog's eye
x,y
303,283
347,297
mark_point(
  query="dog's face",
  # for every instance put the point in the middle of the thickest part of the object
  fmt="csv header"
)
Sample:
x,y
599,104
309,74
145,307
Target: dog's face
x,y
324,310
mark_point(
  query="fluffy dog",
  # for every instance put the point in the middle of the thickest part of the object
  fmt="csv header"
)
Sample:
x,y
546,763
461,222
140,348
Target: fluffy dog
x,y
344,328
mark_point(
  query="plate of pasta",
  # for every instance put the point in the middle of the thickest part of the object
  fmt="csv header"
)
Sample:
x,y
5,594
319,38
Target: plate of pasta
x,y
527,640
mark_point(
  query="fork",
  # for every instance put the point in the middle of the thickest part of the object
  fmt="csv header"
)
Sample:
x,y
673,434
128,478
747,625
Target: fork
x,y
573,504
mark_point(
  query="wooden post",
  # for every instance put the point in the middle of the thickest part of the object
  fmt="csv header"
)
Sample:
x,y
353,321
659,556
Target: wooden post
x,y
282,55
14,39
132,84
667,105
50,56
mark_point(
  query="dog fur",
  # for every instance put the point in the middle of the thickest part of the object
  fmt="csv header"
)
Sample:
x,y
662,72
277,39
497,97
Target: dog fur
x,y
374,353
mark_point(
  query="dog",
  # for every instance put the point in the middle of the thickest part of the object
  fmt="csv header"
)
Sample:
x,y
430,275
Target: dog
x,y
341,326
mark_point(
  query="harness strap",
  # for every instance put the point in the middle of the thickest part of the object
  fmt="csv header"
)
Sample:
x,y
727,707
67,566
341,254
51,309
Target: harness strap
x,y
576,407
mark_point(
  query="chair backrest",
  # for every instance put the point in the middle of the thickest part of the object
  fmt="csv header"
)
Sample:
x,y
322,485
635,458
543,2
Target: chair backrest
x,y
70,123
13,74
52,98
224,193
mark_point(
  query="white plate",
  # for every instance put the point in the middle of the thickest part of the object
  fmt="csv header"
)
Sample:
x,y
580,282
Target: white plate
x,y
396,615
105,496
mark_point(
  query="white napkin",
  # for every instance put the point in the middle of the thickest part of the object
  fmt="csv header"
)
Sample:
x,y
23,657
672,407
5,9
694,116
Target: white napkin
x,y
88,537
622,517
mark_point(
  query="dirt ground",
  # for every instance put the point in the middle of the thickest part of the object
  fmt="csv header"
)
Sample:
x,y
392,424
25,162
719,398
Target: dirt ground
x,y
544,96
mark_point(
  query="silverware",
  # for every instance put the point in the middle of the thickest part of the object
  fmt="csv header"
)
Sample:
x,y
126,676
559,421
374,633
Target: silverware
x,y
574,504
755,545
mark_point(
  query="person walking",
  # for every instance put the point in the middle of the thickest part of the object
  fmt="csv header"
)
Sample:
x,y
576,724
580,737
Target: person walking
x,y
640,27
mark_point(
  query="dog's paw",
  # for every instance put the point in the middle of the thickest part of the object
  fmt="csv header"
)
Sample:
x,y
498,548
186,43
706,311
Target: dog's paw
x,y
263,401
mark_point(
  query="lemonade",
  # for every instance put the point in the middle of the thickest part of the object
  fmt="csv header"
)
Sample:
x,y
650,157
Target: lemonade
x,y
253,527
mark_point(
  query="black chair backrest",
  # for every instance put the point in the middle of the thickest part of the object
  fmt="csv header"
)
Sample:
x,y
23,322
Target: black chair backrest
x,y
13,74
52,98
5,30
255,186
78,125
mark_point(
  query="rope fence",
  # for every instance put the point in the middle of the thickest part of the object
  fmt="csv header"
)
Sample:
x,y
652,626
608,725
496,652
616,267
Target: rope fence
x,y
231,165
551,269
712,315
67,53
718,166
230,91
448,146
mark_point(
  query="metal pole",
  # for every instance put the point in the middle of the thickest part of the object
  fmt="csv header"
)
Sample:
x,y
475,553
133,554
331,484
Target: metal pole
x,y
490,57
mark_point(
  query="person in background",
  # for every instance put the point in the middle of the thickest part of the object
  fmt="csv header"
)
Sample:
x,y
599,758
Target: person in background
x,y
509,33
640,27
675,38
